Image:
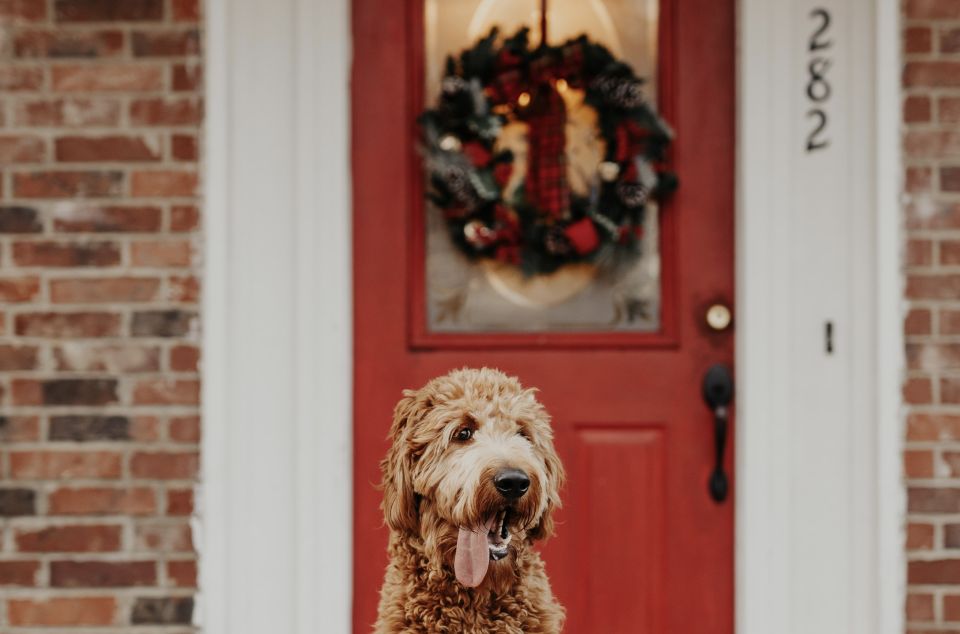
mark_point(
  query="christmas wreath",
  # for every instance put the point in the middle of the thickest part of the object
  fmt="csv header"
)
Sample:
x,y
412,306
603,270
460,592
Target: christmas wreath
x,y
540,224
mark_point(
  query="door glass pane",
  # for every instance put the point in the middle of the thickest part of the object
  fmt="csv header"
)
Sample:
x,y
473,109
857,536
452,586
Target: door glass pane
x,y
486,295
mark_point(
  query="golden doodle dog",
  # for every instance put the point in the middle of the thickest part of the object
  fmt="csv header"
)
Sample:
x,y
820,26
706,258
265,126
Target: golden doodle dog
x,y
469,484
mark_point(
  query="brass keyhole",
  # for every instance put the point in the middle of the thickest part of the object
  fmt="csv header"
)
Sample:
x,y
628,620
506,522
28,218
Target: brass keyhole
x,y
719,317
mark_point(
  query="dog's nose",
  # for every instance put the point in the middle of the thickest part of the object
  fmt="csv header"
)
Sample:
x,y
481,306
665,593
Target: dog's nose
x,y
511,483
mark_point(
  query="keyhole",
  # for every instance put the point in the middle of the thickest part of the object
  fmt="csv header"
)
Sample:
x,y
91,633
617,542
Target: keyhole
x,y
828,336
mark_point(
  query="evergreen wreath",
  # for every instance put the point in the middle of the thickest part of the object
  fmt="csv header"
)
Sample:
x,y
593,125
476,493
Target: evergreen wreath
x,y
544,225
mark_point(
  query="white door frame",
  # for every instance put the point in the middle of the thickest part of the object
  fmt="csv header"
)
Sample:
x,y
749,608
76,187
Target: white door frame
x,y
275,514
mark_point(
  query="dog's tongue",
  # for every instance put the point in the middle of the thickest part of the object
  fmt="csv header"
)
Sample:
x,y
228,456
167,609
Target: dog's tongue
x,y
473,555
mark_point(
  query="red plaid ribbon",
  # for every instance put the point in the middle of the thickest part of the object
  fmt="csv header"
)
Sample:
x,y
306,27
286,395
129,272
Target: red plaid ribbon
x,y
546,183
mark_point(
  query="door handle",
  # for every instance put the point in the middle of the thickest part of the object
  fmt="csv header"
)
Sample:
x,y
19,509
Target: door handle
x,y
717,393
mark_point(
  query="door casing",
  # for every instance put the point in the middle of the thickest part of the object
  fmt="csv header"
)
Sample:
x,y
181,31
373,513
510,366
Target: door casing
x,y
284,66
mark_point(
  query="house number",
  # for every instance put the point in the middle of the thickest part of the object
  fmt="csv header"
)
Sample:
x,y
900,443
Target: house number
x,y
818,86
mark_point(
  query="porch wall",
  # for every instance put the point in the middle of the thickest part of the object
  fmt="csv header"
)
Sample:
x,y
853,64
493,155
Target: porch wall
x,y
100,110
931,391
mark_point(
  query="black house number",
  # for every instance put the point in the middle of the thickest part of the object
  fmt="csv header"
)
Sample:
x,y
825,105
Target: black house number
x,y
818,86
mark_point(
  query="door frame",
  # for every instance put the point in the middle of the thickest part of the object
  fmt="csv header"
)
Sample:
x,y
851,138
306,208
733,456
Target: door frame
x,y
277,337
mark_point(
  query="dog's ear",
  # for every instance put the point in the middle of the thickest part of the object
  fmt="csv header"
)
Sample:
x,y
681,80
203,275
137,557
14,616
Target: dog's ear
x,y
399,500
555,479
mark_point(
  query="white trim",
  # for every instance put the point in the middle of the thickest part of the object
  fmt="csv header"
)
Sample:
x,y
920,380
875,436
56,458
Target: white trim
x,y
892,504
276,506
820,501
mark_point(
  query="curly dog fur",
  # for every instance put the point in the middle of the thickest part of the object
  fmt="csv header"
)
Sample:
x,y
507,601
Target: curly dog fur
x,y
438,478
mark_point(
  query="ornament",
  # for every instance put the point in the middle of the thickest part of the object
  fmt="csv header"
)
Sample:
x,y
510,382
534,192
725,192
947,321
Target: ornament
x,y
478,234
632,195
608,171
450,143
557,242
583,236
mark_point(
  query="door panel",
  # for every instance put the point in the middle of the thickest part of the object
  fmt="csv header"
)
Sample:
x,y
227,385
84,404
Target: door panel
x,y
641,546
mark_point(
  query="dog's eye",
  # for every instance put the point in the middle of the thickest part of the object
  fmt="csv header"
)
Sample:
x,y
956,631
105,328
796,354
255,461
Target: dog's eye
x,y
463,435
522,432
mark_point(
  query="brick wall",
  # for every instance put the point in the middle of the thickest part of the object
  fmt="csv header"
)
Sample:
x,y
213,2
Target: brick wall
x,y
931,146
100,108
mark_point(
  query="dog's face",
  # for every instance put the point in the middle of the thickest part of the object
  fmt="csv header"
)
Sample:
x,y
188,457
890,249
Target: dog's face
x,y
472,470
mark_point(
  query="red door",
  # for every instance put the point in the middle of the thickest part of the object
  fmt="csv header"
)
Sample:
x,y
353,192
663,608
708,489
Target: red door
x,y
641,546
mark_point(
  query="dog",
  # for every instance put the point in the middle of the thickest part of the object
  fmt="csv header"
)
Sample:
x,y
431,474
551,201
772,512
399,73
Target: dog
x,y
470,482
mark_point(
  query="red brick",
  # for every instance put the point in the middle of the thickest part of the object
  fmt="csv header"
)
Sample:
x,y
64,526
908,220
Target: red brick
x,y
69,539
61,43
20,78
917,39
28,10
933,215
932,9
58,465
70,113
14,429
186,10
933,356
19,573
67,184
166,392
916,109
107,77
917,391
69,254
18,219
943,571
163,465
918,464
931,143
917,322
919,607
102,574
933,500
919,536
104,290
166,111
950,322
933,286
187,77
950,40
182,358
184,218
19,289
950,252
187,429
951,607
21,149
950,390
108,219
948,109
166,43
67,325
162,323
950,178
108,10
164,538
183,147
164,183
180,502
116,358
114,147
61,611
102,501
182,574
17,357
919,179
184,289
157,253
919,253
144,428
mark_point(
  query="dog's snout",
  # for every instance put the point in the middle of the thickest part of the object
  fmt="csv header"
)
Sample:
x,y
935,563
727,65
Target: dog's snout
x,y
511,483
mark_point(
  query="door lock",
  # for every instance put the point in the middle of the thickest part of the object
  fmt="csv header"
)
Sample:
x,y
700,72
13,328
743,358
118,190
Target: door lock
x,y
717,393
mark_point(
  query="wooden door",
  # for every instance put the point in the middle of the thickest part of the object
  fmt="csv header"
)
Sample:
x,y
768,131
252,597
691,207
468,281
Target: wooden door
x,y
641,545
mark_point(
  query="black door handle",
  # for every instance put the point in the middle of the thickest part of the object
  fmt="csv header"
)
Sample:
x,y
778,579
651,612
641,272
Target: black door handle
x,y
718,392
